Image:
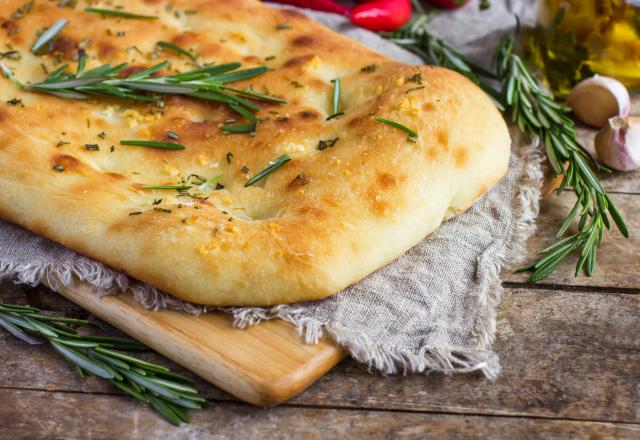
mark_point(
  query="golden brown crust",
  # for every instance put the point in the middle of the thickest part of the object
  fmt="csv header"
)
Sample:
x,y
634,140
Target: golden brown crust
x,y
321,222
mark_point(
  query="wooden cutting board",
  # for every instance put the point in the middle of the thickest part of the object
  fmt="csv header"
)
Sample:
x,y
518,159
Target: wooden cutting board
x,y
264,365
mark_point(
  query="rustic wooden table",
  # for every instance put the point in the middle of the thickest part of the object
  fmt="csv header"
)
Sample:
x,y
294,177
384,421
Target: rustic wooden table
x,y
570,352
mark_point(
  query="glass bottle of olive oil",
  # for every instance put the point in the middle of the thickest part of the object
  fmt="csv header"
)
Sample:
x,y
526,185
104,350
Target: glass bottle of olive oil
x,y
575,39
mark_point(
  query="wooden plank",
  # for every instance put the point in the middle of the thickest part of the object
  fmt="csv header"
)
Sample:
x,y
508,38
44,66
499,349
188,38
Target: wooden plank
x,y
264,365
38,415
618,259
562,355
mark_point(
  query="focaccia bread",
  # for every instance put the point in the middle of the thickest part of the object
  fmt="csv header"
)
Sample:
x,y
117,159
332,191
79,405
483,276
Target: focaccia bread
x,y
356,194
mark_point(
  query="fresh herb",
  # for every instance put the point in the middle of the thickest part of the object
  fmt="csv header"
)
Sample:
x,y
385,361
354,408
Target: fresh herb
x,y
168,393
23,10
323,145
417,78
153,144
335,115
176,187
335,107
67,4
413,136
92,147
369,69
274,165
270,58
177,49
49,35
484,5
239,128
418,38
283,26
205,186
118,13
207,83
535,111
12,55
296,84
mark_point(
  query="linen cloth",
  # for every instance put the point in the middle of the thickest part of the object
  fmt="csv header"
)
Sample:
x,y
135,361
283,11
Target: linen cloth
x,y
433,309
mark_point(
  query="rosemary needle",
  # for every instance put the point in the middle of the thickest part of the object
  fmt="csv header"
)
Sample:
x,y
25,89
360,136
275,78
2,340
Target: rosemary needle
x,y
118,13
412,134
153,144
336,99
239,128
176,187
270,169
178,49
49,35
207,183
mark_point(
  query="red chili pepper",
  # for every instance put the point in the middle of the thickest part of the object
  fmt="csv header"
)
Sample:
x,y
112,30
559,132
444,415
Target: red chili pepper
x,y
382,15
318,5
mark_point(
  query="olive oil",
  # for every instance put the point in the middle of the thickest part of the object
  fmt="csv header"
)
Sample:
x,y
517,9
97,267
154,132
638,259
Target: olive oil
x,y
575,39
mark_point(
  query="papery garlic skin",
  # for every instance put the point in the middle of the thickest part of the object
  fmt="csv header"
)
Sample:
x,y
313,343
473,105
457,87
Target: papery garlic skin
x,y
618,143
597,99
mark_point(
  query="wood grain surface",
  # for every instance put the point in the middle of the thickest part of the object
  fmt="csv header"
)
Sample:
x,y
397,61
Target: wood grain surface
x,y
569,347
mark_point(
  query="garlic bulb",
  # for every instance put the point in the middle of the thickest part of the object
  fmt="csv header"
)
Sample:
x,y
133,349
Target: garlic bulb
x,y
596,99
618,143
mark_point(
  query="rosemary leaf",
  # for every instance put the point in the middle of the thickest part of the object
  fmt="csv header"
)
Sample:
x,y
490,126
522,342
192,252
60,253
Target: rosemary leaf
x,y
175,187
270,169
49,35
153,144
177,49
336,98
412,134
239,128
118,13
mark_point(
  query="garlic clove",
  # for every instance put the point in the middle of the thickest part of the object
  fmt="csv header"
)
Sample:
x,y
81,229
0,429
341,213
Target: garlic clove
x,y
618,143
596,99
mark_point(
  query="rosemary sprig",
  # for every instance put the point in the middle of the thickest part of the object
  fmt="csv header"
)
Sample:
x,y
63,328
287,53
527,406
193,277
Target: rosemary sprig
x,y
118,13
153,144
418,38
207,83
535,111
177,49
168,393
274,165
49,35
412,135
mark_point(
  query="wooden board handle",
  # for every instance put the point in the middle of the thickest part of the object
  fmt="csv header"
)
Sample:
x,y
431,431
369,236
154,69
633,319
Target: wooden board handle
x,y
264,365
